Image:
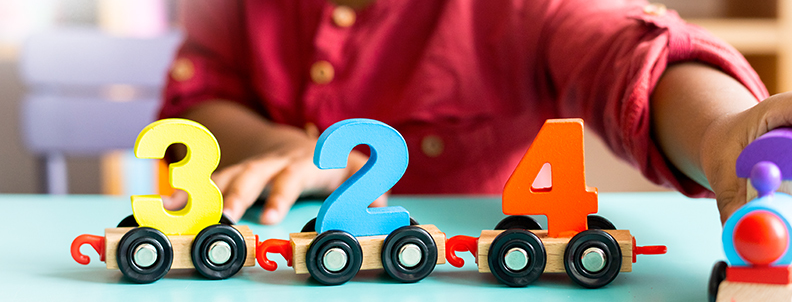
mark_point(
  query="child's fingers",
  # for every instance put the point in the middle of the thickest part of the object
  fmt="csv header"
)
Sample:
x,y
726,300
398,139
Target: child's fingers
x,y
380,201
176,201
730,202
243,190
284,191
223,177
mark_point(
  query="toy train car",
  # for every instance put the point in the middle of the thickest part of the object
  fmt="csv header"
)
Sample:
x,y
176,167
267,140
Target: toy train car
x,y
145,254
756,237
587,247
146,245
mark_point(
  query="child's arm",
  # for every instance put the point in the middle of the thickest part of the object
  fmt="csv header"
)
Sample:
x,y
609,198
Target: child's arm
x,y
703,118
258,154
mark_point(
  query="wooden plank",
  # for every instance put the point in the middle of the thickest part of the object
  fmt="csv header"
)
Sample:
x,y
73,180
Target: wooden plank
x,y
743,291
181,244
371,246
554,248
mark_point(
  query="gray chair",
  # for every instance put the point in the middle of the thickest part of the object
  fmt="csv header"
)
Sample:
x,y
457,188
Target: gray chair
x,y
89,93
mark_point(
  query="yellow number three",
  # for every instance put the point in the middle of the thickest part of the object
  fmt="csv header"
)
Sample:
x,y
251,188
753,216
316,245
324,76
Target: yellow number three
x,y
192,174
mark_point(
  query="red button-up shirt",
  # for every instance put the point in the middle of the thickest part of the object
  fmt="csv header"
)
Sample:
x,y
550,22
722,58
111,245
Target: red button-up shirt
x,y
467,83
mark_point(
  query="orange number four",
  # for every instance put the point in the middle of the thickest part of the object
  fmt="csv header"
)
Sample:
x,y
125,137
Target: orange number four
x,y
568,201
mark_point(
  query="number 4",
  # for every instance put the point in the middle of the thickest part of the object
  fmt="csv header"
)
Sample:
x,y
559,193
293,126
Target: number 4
x,y
568,201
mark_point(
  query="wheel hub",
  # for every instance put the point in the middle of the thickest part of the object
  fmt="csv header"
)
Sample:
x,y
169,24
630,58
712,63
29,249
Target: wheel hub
x,y
335,259
593,259
145,255
516,259
219,252
410,255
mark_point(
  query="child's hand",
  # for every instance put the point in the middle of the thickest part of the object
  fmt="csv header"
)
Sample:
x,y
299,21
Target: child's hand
x,y
727,136
287,173
256,155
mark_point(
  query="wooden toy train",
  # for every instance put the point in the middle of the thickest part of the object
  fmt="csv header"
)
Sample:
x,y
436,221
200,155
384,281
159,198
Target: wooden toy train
x,y
347,236
756,237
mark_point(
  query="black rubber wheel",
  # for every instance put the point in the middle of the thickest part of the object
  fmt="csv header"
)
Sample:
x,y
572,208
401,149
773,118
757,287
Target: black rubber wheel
x,y
716,277
518,222
225,220
314,258
596,222
310,226
218,233
129,221
402,237
602,241
527,242
126,252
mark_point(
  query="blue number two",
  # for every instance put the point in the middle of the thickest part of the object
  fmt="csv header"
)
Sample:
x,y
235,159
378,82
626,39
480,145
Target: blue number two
x,y
346,208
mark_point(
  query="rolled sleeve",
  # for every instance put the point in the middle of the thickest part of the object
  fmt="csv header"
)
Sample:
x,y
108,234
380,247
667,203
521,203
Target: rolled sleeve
x,y
209,65
605,58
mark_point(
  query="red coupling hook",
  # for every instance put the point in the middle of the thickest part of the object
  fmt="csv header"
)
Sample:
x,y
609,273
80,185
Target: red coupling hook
x,y
97,242
460,243
277,246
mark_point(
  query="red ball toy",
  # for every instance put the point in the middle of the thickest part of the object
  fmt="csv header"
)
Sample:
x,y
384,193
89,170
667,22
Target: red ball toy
x,y
761,237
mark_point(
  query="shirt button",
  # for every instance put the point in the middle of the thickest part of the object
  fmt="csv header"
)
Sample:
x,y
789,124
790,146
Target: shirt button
x,y
182,70
655,9
432,145
343,16
322,72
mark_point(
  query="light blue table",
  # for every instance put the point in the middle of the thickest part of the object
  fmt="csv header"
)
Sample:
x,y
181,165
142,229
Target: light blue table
x,y
35,264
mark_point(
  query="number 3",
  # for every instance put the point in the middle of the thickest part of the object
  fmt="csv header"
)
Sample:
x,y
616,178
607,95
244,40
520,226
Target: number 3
x,y
192,174
347,207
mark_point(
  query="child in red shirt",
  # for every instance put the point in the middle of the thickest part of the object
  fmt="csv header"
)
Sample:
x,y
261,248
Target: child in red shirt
x,y
468,84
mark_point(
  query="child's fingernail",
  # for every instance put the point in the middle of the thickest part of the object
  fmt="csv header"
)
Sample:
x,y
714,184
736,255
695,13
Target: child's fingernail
x,y
271,216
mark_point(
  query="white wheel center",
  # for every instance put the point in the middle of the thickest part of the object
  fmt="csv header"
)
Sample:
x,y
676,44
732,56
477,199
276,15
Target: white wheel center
x,y
145,255
335,259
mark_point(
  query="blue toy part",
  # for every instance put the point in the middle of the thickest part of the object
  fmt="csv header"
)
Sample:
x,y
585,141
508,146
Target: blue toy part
x,y
779,204
346,208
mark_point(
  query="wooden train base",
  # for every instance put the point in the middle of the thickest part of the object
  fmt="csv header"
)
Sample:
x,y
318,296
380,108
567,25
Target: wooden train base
x,y
181,244
145,254
370,245
744,292
407,254
519,255
555,248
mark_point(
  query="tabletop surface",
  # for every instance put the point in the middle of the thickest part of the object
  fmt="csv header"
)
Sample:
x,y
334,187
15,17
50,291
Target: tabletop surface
x,y
35,263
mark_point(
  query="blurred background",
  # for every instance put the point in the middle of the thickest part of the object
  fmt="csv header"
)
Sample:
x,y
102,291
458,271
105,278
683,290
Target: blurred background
x,y
108,58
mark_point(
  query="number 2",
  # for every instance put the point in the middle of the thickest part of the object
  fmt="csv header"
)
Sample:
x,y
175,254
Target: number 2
x,y
568,201
347,207
192,174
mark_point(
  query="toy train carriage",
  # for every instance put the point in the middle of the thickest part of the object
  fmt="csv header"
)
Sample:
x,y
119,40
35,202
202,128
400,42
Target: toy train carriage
x,y
517,256
351,236
756,237
407,254
197,236
587,247
145,254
